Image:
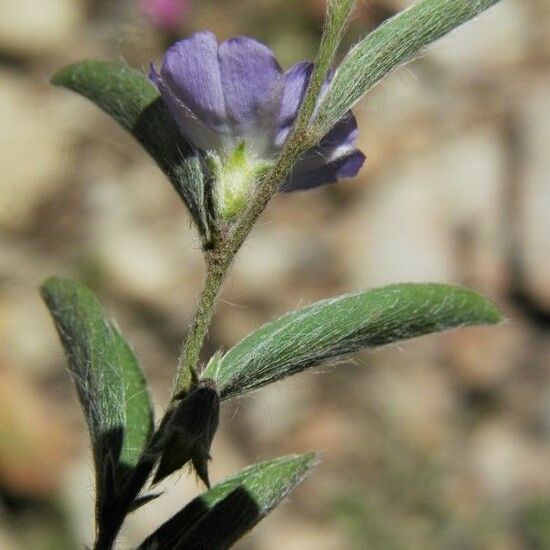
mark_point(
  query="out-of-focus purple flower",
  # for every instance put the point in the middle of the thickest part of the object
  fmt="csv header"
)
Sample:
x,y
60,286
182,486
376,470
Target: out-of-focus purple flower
x,y
167,15
235,102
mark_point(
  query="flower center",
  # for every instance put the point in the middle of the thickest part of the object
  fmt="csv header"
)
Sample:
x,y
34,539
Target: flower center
x,y
234,176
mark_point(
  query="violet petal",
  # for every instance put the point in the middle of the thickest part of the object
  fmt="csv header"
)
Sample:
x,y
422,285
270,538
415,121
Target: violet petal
x,y
343,134
339,142
252,85
192,73
194,130
344,167
296,80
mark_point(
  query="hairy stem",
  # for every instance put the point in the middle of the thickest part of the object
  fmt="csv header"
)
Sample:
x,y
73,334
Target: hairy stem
x,y
186,377
220,260
392,44
337,17
301,138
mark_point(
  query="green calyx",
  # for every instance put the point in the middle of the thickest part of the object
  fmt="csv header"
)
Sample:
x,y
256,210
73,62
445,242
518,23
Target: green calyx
x,y
234,175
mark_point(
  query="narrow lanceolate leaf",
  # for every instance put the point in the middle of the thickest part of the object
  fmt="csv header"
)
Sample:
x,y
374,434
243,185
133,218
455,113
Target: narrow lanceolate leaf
x,y
220,516
395,42
334,328
111,386
133,101
337,16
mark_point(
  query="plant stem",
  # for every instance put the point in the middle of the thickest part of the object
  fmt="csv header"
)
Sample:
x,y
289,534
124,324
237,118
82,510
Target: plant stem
x,y
395,42
336,20
299,140
219,261
186,377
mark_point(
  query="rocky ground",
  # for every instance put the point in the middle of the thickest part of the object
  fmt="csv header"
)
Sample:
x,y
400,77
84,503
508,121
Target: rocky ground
x,y
442,442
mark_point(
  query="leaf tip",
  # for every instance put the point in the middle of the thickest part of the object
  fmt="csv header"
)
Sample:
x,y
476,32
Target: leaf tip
x,y
50,286
57,78
306,463
312,459
61,76
486,312
494,316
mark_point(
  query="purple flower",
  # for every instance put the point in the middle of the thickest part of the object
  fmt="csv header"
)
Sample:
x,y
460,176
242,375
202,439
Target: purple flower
x,y
167,15
234,102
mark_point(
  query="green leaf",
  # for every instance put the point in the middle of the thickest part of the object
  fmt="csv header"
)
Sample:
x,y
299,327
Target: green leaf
x,y
134,102
111,386
334,328
393,43
220,516
337,16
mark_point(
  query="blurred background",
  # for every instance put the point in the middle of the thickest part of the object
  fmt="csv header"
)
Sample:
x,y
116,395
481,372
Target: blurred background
x,y
443,442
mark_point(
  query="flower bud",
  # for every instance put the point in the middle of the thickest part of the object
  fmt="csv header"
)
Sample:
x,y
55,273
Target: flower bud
x,y
189,432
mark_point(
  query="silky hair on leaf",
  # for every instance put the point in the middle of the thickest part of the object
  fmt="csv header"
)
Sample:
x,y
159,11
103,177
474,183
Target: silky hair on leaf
x,y
230,128
392,44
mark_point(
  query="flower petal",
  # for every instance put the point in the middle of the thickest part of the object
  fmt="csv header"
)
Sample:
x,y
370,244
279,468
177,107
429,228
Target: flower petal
x,y
343,135
252,84
296,81
343,167
194,130
192,73
339,142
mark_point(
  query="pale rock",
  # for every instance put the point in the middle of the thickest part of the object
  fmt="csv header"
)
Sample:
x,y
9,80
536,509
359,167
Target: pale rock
x,y
28,340
495,40
273,412
543,405
154,260
268,256
36,27
398,232
7,542
285,530
35,441
402,230
540,40
326,429
22,314
234,321
507,463
471,170
534,210
498,38
485,357
414,398
34,148
470,167
77,496
396,118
